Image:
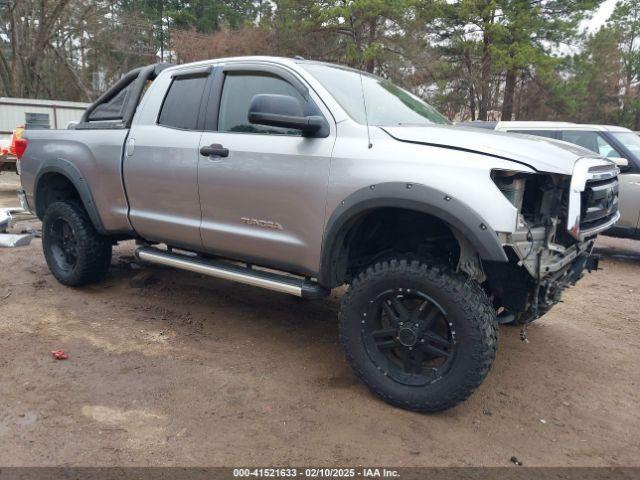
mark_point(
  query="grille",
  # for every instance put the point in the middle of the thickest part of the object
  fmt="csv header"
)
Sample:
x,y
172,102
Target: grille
x,y
599,203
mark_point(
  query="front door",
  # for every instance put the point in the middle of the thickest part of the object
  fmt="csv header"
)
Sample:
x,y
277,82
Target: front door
x,y
265,201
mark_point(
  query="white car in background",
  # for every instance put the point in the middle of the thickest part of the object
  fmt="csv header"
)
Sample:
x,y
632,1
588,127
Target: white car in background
x,y
618,144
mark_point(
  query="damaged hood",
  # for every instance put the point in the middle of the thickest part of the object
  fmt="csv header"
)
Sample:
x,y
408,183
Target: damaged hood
x,y
541,154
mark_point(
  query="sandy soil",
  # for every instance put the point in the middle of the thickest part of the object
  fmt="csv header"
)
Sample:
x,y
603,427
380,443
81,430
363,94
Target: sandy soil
x,y
194,371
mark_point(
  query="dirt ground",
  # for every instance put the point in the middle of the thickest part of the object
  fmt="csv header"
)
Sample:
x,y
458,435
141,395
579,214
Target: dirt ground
x,y
193,371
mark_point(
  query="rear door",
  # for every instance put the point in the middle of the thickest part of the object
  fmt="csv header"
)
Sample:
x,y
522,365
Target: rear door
x,y
161,164
265,201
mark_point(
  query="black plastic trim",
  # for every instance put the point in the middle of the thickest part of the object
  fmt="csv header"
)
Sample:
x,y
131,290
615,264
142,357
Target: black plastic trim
x,y
418,197
138,75
193,72
68,170
269,69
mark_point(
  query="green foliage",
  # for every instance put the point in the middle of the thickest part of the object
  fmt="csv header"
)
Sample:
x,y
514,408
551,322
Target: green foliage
x,y
487,59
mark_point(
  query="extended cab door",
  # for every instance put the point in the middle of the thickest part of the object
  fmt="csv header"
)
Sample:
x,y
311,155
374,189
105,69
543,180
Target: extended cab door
x,y
264,202
161,160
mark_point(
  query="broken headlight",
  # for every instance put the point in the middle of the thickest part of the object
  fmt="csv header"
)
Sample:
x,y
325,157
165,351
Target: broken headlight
x,y
511,184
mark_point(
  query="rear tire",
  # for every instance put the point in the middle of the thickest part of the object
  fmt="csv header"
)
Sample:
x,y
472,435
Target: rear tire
x,y
422,338
75,252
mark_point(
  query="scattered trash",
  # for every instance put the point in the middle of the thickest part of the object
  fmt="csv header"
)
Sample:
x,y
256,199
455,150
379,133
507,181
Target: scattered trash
x,y
516,460
566,404
34,231
59,354
523,335
10,240
6,217
9,216
543,421
6,296
487,412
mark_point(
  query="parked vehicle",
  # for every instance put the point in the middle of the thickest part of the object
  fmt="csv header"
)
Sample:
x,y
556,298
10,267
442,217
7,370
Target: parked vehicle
x,y
618,144
299,177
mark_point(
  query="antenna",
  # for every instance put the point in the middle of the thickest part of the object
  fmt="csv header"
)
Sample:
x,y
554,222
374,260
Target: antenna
x,y
366,114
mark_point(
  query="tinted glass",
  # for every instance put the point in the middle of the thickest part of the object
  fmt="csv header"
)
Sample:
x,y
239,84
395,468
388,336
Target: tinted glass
x,y
537,133
182,103
629,140
591,140
239,90
584,139
386,103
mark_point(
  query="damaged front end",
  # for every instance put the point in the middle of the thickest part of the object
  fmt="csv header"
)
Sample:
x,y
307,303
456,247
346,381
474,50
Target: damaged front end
x,y
559,217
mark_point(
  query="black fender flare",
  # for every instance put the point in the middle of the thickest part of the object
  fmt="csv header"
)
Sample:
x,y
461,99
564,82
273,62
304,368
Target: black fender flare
x,y
70,172
411,196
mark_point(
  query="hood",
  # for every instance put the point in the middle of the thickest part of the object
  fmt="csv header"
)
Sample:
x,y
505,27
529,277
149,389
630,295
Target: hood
x,y
541,154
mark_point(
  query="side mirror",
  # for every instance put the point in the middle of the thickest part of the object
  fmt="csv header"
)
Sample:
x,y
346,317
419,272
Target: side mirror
x,y
283,111
622,163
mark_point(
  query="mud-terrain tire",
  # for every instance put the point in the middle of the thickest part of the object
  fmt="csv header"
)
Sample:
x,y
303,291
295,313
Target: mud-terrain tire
x,y
75,252
436,359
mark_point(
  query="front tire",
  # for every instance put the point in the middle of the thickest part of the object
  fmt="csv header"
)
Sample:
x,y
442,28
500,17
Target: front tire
x,y
422,338
75,252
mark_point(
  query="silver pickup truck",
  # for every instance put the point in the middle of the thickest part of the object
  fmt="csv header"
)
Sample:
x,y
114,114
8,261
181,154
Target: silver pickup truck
x,y
300,177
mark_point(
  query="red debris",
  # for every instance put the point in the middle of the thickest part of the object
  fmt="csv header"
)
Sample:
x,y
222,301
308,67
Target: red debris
x,y
59,355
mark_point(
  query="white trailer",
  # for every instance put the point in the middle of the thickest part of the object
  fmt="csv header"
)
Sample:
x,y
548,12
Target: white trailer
x,y
37,114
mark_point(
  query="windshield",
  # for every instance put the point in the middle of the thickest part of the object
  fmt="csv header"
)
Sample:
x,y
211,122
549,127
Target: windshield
x,y
629,140
386,103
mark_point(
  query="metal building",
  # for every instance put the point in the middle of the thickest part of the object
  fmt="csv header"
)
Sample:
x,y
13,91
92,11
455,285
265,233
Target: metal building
x,y
37,114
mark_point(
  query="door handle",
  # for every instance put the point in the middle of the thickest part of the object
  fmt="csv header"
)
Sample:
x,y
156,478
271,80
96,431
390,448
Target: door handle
x,y
214,150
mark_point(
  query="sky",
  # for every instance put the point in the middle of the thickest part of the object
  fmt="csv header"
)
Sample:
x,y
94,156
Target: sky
x,y
600,17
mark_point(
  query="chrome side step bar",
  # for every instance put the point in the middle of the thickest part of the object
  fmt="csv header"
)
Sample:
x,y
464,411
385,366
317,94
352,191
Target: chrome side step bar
x,y
227,271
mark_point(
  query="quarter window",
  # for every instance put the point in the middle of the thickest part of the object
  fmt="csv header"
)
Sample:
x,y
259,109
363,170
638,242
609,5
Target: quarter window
x,y
239,90
182,103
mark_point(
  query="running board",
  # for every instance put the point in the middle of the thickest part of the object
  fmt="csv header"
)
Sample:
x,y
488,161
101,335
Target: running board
x,y
247,275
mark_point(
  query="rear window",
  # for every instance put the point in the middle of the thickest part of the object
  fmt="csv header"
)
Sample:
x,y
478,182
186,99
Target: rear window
x,y
113,109
182,103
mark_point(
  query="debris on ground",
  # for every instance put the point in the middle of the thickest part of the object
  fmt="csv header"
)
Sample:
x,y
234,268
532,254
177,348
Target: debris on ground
x,y
141,279
12,215
60,354
515,460
6,217
36,232
11,240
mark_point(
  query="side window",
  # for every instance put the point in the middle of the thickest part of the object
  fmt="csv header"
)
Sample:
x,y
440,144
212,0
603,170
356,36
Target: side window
x,y
182,103
587,140
237,93
606,149
537,133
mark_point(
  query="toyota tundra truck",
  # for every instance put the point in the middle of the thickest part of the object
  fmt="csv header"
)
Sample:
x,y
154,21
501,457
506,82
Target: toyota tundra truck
x,y
301,177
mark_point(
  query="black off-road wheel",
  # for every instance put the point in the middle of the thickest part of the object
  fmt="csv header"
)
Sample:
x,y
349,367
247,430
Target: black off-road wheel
x,y
75,252
421,337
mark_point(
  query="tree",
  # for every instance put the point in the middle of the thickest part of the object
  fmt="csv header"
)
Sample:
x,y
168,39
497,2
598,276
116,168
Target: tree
x,y
625,22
